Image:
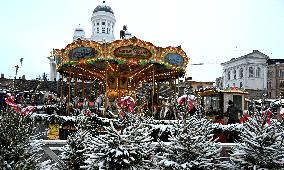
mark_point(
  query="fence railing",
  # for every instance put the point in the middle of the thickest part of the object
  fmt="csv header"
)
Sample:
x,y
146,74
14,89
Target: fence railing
x,y
49,146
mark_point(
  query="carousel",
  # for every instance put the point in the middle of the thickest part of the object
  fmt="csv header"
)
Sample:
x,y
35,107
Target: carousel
x,y
120,66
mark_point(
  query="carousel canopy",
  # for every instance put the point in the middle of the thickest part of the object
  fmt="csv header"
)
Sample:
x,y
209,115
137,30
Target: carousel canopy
x,y
121,63
91,59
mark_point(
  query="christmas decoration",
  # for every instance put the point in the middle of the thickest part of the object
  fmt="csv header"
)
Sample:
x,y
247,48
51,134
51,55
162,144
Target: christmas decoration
x,y
126,103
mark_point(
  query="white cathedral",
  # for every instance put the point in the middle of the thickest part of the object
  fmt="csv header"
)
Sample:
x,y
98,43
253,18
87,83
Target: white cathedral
x,y
103,22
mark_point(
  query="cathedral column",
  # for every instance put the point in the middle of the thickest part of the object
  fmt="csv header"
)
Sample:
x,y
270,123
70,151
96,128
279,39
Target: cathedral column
x,y
52,66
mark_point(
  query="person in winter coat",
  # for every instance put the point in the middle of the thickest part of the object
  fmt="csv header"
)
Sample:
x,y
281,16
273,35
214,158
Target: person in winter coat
x,y
233,113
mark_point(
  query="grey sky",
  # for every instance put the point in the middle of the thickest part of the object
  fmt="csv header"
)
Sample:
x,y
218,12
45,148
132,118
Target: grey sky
x,y
209,31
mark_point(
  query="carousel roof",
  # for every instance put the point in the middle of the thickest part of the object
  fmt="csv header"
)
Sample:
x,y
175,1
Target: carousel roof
x,y
121,65
92,59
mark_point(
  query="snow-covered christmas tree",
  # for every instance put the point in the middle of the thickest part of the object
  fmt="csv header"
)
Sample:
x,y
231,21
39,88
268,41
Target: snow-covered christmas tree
x,y
18,147
127,148
192,147
261,145
74,153
75,150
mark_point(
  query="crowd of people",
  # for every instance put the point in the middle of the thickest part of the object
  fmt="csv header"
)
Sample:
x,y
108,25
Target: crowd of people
x,y
165,109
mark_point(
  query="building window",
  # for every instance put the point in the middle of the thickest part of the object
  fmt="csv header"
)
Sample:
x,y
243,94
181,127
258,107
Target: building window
x,y
269,74
108,30
98,30
241,73
251,72
257,74
281,73
229,75
234,84
235,74
281,85
103,30
241,84
103,23
98,23
269,85
108,24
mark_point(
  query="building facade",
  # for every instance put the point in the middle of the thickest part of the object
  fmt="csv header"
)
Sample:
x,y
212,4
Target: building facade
x,y
248,72
275,78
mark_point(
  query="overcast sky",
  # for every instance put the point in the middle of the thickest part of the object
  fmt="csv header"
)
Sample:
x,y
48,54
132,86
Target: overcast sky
x,y
209,31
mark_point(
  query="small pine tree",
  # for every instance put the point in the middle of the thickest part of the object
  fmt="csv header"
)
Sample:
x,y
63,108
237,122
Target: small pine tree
x,y
126,149
261,145
192,147
18,149
74,152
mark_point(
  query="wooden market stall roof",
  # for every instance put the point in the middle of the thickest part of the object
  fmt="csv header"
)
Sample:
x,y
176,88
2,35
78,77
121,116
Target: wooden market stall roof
x,y
215,91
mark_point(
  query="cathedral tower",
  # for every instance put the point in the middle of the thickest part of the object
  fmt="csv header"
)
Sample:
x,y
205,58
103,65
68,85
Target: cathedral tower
x,y
103,22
